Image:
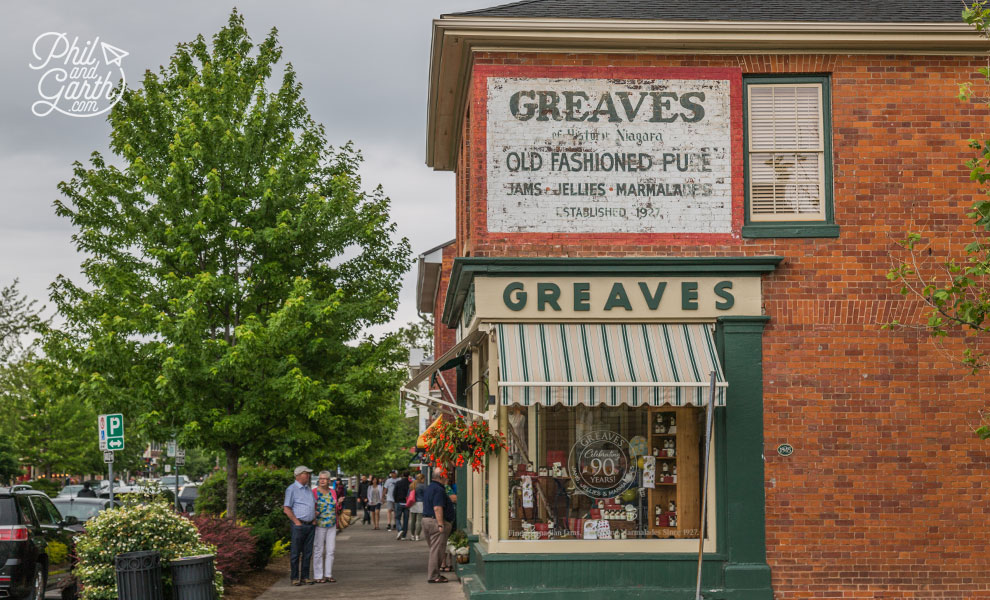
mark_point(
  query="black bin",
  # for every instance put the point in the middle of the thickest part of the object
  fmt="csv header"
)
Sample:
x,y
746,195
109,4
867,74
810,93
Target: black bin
x,y
139,576
192,578
350,504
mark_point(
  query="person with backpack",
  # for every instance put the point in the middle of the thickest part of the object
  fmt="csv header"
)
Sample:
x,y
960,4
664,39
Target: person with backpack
x,y
401,508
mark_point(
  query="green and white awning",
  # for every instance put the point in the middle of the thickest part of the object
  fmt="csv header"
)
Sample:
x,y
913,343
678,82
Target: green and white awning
x,y
607,364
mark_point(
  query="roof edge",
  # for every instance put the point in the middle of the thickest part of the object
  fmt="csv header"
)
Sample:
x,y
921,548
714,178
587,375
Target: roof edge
x,y
456,38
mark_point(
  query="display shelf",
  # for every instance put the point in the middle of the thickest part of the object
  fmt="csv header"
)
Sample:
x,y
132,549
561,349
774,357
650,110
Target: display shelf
x,y
684,492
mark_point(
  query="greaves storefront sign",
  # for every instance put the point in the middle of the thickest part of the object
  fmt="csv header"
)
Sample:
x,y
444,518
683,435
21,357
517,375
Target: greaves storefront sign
x,y
595,155
603,298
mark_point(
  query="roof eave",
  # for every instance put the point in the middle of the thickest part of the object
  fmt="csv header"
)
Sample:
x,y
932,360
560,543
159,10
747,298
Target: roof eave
x,y
456,38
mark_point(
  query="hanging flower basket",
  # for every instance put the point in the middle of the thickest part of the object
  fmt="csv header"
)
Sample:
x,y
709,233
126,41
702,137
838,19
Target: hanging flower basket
x,y
455,443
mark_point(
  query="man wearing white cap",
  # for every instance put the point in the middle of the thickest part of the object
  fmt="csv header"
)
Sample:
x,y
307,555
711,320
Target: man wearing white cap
x,y
300,507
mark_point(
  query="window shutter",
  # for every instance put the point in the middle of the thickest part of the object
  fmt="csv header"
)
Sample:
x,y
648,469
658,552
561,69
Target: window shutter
x,y
786,152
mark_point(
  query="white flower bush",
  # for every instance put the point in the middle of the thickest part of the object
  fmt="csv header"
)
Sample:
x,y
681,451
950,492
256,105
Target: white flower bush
x,y
134,527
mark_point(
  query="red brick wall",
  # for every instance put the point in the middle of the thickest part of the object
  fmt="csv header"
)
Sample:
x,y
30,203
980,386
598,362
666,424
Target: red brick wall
x,y
887,493
444,338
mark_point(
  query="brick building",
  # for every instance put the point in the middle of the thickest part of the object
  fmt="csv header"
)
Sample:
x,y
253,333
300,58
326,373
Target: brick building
x,y
649,192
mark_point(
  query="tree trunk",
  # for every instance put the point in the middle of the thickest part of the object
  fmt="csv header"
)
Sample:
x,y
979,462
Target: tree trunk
x,y
233,453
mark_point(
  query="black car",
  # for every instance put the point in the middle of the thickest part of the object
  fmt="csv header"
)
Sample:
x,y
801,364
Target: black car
x,y
36,547
82,509
187,497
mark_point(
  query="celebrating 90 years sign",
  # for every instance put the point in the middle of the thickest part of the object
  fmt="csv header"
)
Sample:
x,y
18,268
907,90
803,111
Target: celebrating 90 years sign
x,y
609,155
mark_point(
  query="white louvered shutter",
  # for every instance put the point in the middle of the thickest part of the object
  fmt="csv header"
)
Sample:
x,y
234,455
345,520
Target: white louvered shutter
x,y
786,152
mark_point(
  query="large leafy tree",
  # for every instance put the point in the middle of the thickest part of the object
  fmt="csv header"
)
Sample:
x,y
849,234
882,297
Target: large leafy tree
x,y
19,318
956,290
55,431
234,261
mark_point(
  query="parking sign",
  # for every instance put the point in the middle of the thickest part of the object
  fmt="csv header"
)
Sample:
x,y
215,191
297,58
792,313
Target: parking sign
x,y
111,431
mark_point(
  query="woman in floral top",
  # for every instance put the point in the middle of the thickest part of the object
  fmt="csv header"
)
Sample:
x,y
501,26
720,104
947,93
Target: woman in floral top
x,y
326,529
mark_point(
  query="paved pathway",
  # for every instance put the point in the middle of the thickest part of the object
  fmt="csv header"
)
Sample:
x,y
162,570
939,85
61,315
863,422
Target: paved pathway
x,y
371,563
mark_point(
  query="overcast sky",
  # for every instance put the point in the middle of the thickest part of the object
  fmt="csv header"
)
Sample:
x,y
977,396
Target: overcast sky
x,y
363,66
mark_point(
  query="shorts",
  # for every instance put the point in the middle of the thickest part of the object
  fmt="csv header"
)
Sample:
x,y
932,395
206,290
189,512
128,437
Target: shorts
x,y
374,507
389,505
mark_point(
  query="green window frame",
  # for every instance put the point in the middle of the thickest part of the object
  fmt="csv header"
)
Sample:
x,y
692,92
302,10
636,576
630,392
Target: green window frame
x,y
805,223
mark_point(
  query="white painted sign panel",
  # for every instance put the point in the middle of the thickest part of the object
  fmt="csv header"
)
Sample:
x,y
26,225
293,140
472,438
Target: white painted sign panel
x,y
572,155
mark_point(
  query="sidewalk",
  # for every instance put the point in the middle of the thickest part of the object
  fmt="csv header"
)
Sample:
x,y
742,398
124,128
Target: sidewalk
x,y
370,562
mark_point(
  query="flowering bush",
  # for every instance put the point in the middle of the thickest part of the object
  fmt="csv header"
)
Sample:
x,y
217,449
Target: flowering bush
x,y
455,443
134,527
235,545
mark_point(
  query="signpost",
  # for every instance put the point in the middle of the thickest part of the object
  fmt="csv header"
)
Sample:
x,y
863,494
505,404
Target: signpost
x,y
111,428
180,460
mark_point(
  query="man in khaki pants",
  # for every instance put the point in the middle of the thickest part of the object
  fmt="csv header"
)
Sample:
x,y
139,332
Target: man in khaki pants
x,y
438,517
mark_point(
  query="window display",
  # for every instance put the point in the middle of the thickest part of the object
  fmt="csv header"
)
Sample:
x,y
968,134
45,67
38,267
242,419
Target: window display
x,y
604,473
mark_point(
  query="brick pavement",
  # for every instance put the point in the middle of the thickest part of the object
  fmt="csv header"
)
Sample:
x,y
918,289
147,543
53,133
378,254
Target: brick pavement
x,y
370,562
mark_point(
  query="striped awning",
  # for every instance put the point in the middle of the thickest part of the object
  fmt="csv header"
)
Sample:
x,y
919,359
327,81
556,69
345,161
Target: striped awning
x,y
607,364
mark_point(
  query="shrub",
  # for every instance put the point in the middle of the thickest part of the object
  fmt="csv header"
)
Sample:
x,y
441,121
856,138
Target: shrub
x,y
260,492
266,539
235,545
134,527
281,548
48,486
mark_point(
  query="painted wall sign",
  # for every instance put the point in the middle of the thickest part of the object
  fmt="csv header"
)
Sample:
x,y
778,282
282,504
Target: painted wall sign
x,y
604,298
609,155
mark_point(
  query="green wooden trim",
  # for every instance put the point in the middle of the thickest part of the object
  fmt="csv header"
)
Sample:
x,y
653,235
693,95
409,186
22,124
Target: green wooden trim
x,y
740,342
793,229
599,556
790,230
465,269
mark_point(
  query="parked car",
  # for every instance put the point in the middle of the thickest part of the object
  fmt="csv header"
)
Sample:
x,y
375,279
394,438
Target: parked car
x,y
69,491
187,497
36,547
169,481
83,509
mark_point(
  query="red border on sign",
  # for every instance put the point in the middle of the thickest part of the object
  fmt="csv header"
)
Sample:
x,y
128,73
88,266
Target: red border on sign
x,y
479,125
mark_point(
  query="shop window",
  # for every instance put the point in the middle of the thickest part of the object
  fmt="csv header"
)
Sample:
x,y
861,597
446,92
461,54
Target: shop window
x,y
604,472
788,158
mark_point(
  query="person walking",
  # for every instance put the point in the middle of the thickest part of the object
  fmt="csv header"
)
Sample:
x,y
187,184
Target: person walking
x,y
374,499
327,509
401,493
300,507
416,510
437,518
362,499
389,487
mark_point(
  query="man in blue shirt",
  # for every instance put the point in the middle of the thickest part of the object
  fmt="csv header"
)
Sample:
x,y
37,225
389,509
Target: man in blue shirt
x,y
437,520
300,507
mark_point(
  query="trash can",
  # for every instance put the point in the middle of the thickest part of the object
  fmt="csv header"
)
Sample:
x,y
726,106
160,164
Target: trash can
x,y
192,578
139,576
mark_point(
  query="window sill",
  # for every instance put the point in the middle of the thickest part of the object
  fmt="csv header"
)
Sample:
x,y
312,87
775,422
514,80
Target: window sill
x,y
790,230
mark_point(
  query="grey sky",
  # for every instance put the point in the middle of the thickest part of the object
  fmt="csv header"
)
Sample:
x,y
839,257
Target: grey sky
x,y
363,65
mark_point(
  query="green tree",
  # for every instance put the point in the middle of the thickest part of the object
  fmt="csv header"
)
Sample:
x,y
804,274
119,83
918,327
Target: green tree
x,y
19,318
10,463
55,431
234,261
956,290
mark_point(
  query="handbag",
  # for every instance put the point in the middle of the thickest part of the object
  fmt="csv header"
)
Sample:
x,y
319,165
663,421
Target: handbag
x,y
343,520
411,498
